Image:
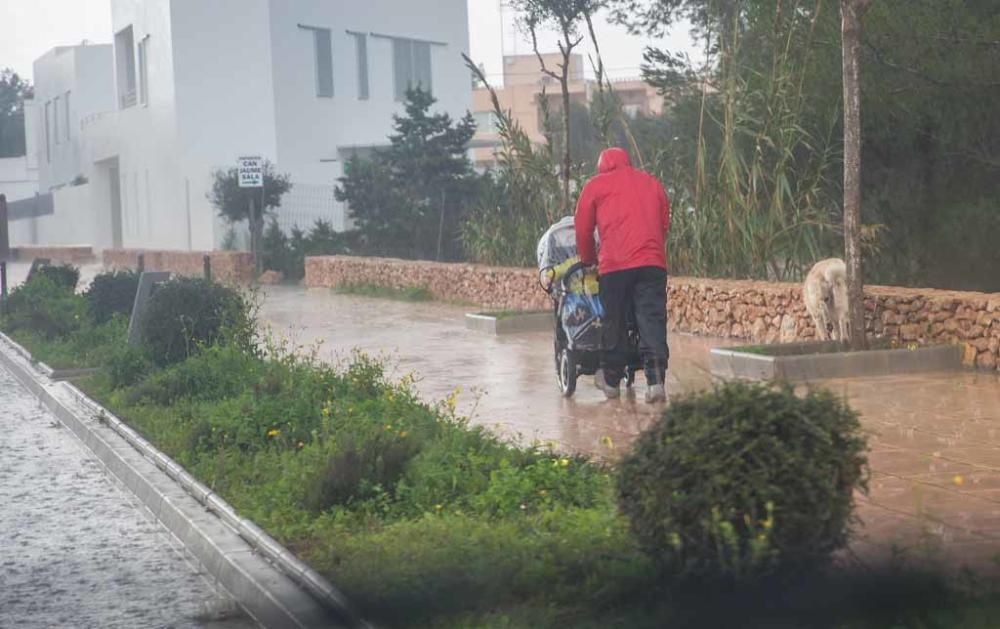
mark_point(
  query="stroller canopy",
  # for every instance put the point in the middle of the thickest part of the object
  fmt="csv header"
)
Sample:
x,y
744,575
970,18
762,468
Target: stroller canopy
x,y
557,245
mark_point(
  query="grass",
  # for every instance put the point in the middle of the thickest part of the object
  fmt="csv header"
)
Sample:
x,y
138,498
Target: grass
x,y
78,351
413,293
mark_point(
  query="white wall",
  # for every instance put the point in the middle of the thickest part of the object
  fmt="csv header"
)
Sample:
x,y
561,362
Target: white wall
x,y
85,72
146,136
310,128
74,222
225,96
17,180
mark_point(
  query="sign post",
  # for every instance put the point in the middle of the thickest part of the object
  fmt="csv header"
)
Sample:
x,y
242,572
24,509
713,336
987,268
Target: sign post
x,y
4,249
251,175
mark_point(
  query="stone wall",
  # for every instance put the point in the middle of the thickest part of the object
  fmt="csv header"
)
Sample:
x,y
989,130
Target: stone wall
x,y
496,288
765,312
59,254
761,312
227,266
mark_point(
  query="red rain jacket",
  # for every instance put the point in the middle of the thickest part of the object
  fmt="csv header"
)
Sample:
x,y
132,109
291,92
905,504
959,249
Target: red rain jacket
x,y
631,212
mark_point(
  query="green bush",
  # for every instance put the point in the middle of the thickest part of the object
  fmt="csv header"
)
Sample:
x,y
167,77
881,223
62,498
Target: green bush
x,y
64,275
127,365
288,253
112,293
744,481
45,308
184,315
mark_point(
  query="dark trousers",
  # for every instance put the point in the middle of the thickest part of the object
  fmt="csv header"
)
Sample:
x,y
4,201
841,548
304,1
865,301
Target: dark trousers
x,y
641,295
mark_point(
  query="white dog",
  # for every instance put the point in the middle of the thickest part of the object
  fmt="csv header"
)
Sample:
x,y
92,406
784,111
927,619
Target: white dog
x,y
825,294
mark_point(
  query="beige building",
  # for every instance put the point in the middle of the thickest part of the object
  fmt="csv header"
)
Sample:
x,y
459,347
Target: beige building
x,y
523,86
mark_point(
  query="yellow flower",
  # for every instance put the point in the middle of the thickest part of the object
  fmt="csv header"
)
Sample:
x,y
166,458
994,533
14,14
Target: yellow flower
x,y
438,507
274,432
958,480
403,434
607,443
564,462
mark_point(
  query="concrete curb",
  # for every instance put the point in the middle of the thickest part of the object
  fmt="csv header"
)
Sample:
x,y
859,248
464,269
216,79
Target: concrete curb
x,y
510,324
271,584
731,363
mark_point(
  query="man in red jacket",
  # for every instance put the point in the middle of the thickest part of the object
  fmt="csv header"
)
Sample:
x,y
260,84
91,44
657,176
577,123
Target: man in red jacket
x,y
631,213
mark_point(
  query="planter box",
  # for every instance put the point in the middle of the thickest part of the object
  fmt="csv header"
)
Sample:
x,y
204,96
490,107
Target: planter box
x,y
798,362
511,323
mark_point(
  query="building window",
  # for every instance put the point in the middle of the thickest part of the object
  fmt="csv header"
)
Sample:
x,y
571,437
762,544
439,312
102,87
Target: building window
x,y
411,66
361,48
55,120
144,71
486,122
48,131
125,65
68,115
632,111
323,55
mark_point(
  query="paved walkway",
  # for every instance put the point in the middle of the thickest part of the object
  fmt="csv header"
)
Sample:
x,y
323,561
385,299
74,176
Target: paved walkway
x,y
935,439
75,550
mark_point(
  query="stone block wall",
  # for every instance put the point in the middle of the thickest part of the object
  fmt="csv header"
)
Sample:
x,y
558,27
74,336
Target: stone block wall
x,y
765,312
496,288
760,312
227,266
58,254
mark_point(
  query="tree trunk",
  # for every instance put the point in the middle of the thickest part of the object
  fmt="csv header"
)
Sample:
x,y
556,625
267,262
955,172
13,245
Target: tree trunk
x,y
567,155
256,232
851,12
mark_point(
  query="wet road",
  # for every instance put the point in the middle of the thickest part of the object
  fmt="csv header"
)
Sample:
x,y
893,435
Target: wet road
x,y
76,550
935,438
507,382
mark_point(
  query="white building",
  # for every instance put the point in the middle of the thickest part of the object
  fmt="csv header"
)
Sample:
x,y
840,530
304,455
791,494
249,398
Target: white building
x,y
198,83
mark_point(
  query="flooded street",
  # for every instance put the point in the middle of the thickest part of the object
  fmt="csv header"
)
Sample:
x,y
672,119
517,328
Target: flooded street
x,y
507,382
935,438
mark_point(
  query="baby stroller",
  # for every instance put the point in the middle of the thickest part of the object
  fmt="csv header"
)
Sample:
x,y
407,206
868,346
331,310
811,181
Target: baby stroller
x,y
578,312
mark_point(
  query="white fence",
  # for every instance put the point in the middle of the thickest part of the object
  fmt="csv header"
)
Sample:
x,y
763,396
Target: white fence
x,y
304,204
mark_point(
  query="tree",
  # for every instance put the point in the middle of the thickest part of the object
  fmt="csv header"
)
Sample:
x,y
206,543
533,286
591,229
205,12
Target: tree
x,y
13,91
408,200
851,12
931,149
521,199
253,205
566,17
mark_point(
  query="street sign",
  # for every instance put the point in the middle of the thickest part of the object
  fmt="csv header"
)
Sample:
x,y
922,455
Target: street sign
x,y
251,171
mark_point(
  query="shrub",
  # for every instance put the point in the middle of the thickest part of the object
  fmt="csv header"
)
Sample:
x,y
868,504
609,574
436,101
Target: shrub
x,y
127,365
65,276
185,314
112,293
44,307
745,480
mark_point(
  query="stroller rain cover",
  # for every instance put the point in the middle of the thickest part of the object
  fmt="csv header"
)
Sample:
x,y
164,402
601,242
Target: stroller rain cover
x,y
579,307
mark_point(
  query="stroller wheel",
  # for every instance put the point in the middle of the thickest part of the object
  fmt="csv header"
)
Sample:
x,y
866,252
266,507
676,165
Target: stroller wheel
x,y
567,371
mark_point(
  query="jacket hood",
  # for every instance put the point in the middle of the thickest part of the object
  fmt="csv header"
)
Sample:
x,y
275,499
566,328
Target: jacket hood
x,y
613,159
